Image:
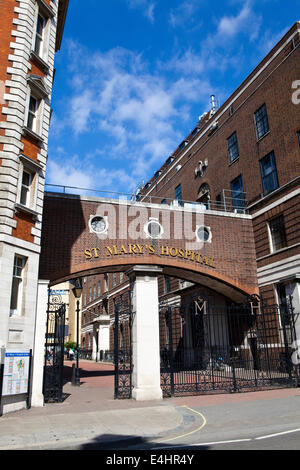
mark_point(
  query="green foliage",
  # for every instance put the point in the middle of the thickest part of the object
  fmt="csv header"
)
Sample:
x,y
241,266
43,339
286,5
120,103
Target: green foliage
x,y
70,345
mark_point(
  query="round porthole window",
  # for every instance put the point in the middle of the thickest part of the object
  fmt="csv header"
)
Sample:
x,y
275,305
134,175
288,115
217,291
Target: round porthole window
x,y
98,224
203,234
154,229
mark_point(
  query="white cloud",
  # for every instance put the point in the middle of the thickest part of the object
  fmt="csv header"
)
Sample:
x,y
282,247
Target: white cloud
x,y
182,16
246,21
146,6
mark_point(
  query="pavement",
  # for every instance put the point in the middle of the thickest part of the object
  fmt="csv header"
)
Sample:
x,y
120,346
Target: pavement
x,y
89,416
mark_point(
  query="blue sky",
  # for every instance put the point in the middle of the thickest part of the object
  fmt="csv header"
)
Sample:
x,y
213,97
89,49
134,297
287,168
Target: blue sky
x,y
133,76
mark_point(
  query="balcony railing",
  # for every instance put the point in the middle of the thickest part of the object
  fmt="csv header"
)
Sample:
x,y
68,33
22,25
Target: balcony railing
x,y
229,202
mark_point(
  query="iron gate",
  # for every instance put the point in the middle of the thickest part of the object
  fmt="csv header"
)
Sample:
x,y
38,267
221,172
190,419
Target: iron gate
x,y
54,351
207,349
123,349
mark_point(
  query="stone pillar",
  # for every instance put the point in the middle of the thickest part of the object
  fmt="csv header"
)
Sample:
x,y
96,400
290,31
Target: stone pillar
x,y
145,333
94,352
37,397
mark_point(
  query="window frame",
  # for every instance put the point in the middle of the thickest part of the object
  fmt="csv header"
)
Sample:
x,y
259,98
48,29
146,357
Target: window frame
x,y
263,119
34,169
265,176
19,301
40,36
272,241
176,194
238,207
230,146
27,188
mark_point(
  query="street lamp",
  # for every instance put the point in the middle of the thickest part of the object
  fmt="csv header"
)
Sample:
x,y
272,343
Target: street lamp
x,y
77,289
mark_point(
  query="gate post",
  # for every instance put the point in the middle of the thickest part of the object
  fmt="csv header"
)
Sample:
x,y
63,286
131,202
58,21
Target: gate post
x,y
145,333
37,397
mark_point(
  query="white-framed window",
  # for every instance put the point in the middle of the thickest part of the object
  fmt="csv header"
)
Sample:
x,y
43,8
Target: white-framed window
x,y
37,93
28,184
25,195
41,29
153,228
203,234
277,234
17,285
39,35
32,116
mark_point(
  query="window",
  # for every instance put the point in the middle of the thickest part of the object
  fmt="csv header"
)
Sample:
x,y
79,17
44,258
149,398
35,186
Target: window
x,y
114,280
261,121
203,234
27,179
17,285
268,173
233,149
183,144
237,193
90,294
298,137
169,161
218,200
99,288
32,113
39,35
94,292
153,228
121,277
204,195
285,294
277,233
164,201
178,194
167,284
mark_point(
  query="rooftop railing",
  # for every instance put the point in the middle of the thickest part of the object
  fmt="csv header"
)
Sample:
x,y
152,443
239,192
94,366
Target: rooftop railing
x,y
229,202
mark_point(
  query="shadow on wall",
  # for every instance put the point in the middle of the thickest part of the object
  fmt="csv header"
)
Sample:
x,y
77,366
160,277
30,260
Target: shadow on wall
x,y
63,224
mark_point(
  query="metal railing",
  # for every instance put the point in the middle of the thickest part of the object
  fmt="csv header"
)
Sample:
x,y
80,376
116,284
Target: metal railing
x,y
229,203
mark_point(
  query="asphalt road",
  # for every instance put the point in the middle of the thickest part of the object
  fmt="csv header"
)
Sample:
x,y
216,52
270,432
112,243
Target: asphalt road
x,y
268,424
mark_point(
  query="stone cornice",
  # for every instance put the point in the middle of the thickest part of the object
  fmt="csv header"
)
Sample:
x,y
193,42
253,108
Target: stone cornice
x,y
61,18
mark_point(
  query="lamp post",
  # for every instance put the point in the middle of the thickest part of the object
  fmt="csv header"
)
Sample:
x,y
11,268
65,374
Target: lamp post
x,y
77,289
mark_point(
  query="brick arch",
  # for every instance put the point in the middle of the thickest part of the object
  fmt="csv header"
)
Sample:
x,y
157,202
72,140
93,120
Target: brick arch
x,y
70,249
200,275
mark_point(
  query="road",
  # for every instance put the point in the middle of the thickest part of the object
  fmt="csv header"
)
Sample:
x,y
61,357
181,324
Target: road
x,y
258,424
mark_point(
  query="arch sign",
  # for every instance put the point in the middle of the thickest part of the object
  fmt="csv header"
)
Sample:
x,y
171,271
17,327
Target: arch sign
x,y
83,236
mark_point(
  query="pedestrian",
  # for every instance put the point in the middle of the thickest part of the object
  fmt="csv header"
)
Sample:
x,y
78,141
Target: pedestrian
x,y
71,354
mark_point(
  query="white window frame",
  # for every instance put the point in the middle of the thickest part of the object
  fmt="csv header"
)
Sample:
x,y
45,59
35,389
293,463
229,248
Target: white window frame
x,y
15,275
46,13
33,168
207,229
147,229
27,188
273,249
34,114
40,36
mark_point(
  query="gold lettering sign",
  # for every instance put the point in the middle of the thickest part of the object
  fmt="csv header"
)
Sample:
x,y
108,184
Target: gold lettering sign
x,y
137,249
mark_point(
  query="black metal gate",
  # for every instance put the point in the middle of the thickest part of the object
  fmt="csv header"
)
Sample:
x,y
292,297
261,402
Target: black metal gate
x,y
123,349
54,351
208,349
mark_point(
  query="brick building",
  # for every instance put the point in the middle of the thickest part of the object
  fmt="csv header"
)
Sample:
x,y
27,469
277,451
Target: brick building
x,y
241,157
30,35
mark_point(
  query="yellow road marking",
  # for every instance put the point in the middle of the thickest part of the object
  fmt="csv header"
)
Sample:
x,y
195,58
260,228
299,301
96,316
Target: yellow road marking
x,y
192,432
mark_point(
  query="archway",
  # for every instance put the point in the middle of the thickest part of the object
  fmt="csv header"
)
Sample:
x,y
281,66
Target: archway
x,y
84,236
